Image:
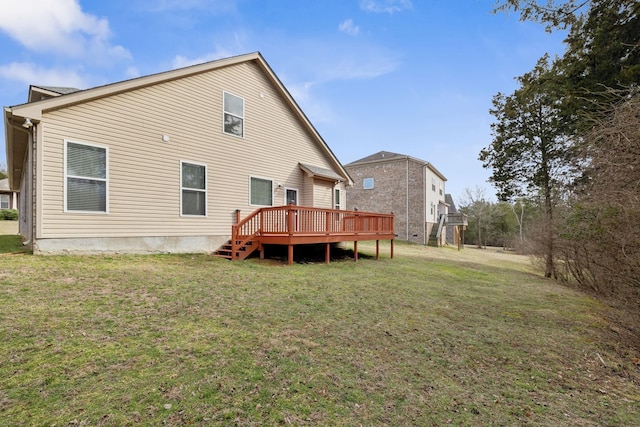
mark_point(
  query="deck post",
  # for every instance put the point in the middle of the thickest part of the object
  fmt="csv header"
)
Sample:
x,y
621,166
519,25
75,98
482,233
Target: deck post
x,y
290,254
290,214
327,254
355,250
237,216
391,248
377,249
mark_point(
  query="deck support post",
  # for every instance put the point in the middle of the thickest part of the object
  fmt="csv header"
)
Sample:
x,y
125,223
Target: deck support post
x,y
290,254
377,249
355,250
327,254
391,248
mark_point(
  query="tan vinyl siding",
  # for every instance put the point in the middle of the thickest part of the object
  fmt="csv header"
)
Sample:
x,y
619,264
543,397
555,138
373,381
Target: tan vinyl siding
x,y
323,194
144,171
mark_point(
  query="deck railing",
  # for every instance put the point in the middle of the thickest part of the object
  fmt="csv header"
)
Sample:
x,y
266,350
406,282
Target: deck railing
x,y
457,219
299,221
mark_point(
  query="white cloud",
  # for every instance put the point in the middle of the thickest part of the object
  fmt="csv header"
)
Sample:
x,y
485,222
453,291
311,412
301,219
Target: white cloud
x,y
28,73
349,27
385,6
59,26
181,61
132,72
211,6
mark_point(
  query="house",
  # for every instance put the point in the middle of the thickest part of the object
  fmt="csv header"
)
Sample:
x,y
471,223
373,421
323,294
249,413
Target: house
x,y
413,189
8,198
165,162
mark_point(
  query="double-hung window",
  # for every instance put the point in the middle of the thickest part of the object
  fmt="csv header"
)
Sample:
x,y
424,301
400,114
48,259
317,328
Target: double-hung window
x,y
4,201
86,181
261,190
233,114
193,186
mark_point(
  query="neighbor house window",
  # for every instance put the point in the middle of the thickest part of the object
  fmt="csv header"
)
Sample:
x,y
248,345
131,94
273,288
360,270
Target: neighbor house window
x,y
85,177
433,184
193,179
336,198
4,201
233,114
261,191
367,183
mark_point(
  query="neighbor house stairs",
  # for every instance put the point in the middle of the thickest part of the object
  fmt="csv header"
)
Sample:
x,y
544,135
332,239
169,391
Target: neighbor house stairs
x,y
436,231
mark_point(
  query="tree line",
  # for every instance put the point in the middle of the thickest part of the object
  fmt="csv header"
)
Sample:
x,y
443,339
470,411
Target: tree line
x,y
565,149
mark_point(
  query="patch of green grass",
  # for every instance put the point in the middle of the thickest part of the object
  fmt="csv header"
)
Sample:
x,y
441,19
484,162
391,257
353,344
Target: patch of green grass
x,y
11,244
432,337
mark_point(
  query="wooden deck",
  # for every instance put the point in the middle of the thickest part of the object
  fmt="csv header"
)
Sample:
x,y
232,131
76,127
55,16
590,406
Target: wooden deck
x,y
298,225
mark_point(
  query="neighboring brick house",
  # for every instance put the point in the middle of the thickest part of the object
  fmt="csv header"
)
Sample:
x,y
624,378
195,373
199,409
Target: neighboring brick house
x,y
413,189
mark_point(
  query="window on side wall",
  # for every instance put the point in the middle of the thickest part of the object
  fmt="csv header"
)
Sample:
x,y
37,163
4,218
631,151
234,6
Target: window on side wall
x,y
4,201
433,184
193,187
367,183
336,198
261,191
86,179
233,114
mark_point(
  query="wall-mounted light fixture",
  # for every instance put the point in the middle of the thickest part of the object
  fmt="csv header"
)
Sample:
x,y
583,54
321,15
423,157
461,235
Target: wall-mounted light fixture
x,y
27,123
165,138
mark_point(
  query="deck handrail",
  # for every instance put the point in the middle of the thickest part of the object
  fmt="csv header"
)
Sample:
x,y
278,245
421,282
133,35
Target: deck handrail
x,y
457,219
295,220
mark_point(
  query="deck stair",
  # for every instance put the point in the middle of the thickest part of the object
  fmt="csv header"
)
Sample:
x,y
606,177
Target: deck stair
x,y
241,252
436,231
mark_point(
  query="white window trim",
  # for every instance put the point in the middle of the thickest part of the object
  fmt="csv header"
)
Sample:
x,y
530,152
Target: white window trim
x,y
205,191
364,187
265,179
244,127
342,194
8,198
291,189
106,179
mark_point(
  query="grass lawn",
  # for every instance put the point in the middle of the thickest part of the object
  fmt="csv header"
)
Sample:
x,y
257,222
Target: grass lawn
x,y
434,337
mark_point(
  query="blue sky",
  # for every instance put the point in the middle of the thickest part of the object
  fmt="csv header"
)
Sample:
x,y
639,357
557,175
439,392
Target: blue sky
x,y
414,77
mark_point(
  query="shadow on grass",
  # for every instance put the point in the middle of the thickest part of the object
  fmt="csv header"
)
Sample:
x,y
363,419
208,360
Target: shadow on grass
x,y
310,254
12,244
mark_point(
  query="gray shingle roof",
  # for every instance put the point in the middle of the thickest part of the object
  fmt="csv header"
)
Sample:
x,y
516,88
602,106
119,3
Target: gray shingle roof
x,y
321,172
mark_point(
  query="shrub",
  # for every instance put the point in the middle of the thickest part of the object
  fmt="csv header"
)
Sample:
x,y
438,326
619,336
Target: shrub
x,y
9,214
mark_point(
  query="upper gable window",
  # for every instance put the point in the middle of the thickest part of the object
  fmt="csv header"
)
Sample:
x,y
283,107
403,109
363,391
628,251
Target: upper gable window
x,y
233,114
85,178
367,183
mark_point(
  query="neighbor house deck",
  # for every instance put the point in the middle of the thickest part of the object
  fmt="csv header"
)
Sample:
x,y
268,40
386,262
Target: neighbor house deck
x,y
299,225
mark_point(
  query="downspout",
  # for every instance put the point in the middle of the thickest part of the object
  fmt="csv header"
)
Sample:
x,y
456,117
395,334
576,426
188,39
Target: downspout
x,y
424,205
30,162
407,209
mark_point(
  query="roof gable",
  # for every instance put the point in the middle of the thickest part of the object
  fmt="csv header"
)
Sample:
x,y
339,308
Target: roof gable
x,y
388,156
58,98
